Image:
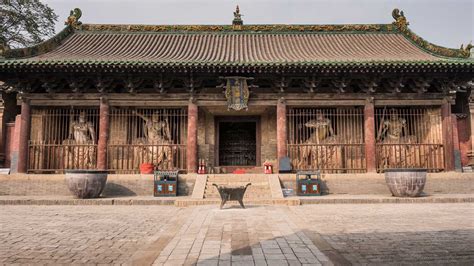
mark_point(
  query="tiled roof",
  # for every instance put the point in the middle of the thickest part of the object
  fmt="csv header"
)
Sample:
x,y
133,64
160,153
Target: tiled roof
x,y
239,45
236,47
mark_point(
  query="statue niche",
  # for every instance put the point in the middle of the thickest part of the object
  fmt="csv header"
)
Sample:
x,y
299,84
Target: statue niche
x,y
156,143
79,147
314,152
394,132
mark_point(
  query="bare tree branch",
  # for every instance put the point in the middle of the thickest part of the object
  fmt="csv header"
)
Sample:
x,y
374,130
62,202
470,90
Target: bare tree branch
x,y
25,22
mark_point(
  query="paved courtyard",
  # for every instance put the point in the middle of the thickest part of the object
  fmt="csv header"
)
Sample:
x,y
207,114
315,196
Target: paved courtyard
x,y
259,235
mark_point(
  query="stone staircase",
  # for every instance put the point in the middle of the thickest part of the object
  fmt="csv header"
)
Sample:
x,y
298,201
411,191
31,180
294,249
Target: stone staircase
x,y
260,188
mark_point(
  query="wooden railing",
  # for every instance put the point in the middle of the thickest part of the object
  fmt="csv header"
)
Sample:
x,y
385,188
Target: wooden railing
x,y
127,158
329,158
46,157
427,156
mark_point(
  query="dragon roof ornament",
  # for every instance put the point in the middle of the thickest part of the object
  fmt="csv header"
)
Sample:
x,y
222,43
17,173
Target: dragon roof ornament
x,y
400,19
3,48
73,19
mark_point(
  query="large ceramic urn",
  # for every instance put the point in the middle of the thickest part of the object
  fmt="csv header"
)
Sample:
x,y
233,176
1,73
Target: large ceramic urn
x,y
85,184
405,182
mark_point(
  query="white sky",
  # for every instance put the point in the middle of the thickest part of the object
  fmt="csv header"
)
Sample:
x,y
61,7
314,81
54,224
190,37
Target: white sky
x,y
444,22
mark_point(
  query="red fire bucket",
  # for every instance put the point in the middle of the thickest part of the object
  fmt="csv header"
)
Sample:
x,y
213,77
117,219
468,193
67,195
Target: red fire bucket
x,y
268,168
147,168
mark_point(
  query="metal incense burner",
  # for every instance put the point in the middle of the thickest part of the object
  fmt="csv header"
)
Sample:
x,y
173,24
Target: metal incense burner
x,y
232,193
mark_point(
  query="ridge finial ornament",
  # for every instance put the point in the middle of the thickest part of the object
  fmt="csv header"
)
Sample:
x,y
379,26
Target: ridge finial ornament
x,y
400,19
237,22
73,19
3,48
467,49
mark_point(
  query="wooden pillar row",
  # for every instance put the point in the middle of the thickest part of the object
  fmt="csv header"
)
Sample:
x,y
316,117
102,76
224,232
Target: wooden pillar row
x,y
282,147
191,144
24,135
103,135
369,125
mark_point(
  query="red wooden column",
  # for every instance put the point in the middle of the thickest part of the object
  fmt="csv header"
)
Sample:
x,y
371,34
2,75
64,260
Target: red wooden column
x,y
2,131
282,148
470,140
447,136
369,125
103,135
191,144
24,134
464,138
14,145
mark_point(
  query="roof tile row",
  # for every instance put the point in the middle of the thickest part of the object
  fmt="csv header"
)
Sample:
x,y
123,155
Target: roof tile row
x,y
239,48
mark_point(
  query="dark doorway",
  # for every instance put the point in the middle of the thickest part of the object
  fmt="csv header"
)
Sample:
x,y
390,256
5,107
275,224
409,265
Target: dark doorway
x,y
237,143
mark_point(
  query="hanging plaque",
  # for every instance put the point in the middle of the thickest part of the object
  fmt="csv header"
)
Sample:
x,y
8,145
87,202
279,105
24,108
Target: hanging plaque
x,y
237,93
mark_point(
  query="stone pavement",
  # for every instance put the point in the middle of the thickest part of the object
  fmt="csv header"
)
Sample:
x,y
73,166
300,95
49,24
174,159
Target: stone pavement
x,y
258,235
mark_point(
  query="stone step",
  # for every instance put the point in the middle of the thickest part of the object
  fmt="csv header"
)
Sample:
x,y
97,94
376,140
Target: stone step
x,y
250,170
251,196
253,186
217,196
252,193
248,192
236,184
240,180
259,201
238,176
261,193
260,188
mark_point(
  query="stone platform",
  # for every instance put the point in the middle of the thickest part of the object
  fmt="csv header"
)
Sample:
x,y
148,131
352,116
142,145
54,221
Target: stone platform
x,y
142,185
189,201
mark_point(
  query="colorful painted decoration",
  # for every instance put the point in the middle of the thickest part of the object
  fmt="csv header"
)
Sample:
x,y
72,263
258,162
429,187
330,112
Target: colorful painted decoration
x,y
237,93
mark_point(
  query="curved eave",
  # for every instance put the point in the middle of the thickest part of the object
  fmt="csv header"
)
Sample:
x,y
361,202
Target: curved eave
x,y
466,66
40,48
433,48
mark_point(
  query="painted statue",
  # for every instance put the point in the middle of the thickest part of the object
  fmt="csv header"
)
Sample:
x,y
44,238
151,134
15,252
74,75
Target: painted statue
x,y
323,129
157,141
315,154
393,129
80,146
155,131
393,135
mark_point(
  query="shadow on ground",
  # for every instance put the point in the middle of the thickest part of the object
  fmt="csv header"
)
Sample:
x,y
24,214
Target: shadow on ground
x,y
116,190
397,248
